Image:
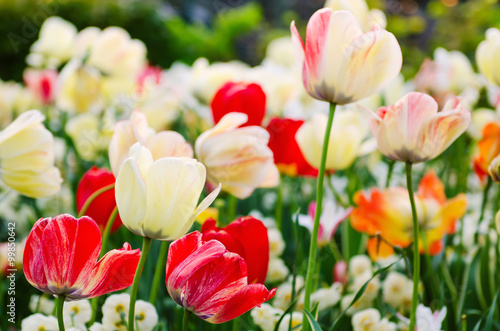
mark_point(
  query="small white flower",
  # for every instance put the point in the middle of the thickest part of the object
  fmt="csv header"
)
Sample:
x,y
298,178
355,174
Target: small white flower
x,y
115,312
395,288
428,321
283,296
77,313
266,316
366,320
276,243
385,325
39,322
361,304
277,270
296,321
145,315
327,297
359,264
96,327
41,304
371,291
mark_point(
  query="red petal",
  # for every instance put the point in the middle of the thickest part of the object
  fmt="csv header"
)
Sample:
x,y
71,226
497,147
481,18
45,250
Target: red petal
x,y
240,98
70,248
252,236
32,260
208,289
101,208
245,299
114,272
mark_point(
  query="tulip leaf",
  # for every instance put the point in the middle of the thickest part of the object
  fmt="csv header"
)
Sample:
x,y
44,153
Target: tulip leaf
x,y
288,310
360,293
489,317
312,322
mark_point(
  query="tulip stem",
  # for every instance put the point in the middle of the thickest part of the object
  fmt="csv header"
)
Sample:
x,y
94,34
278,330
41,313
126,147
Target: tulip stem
x,y
93,196
416,252
484,202
146,242
232,203
185,320
278,212
59,306
311,266
390,169
160,268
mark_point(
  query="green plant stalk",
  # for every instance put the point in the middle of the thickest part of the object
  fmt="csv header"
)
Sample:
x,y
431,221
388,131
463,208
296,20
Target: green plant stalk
x,y
484,202
311,266
160,268
105,237
93,196
390,169
278,212
416,252
146,242
185,320
232,204
59,309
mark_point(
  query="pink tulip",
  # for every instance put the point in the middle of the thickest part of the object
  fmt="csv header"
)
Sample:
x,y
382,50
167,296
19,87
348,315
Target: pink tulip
x,y
43,83
414,131
340,63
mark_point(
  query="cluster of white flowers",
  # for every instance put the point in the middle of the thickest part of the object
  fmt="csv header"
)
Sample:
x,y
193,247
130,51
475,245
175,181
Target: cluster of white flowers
x,y
370,320
277,270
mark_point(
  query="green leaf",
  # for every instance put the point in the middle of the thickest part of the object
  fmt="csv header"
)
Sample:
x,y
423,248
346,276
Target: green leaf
x,y
491,314
288,310
312,322
360,293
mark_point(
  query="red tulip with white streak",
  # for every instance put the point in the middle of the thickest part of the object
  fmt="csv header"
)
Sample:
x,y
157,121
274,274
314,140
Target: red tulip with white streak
x,y
340,63
61,254
208,280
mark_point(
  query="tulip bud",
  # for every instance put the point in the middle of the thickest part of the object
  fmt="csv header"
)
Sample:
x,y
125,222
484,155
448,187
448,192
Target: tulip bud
x,y
494,169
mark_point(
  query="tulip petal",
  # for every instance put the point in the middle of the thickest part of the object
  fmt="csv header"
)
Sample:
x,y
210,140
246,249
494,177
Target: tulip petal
x,y
114,272
33,266
213,284
70,248
130,194
245,299
167,144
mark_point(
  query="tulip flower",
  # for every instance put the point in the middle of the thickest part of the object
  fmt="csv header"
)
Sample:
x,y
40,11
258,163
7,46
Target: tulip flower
x,y
340,63
387,214
365,17
244,98
208,280
43,83
27,157
158,200
414,131
102,206
60,258
287,155
487,54
238,158
162,144
488,149
345,140
247,237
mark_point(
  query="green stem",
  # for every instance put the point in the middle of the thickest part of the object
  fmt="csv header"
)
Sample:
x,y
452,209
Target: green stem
x,y
146,242
311,266
336,195
484,202
160,268
389,173
416,252
59,310
93,196
232,203
185,320
278,212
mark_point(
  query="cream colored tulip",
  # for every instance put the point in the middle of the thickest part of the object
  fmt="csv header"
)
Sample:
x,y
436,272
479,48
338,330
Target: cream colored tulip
x,y
487,54
162,144
340,63
346,138
238,158
365,17
27,157
55,42
158,199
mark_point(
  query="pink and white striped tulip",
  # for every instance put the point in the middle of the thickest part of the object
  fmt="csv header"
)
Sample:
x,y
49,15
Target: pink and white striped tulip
x,y
340,63
414,131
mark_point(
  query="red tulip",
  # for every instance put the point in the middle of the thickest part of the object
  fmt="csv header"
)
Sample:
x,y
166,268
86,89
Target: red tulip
x,y
240,98
208,280
60,258
101,208
287,154
247,237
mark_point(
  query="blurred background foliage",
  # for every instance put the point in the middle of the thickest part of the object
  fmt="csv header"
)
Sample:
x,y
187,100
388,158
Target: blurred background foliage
x,y
221,30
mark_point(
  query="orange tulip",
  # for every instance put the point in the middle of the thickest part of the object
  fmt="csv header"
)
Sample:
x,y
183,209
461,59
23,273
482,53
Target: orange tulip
x,y
489,148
